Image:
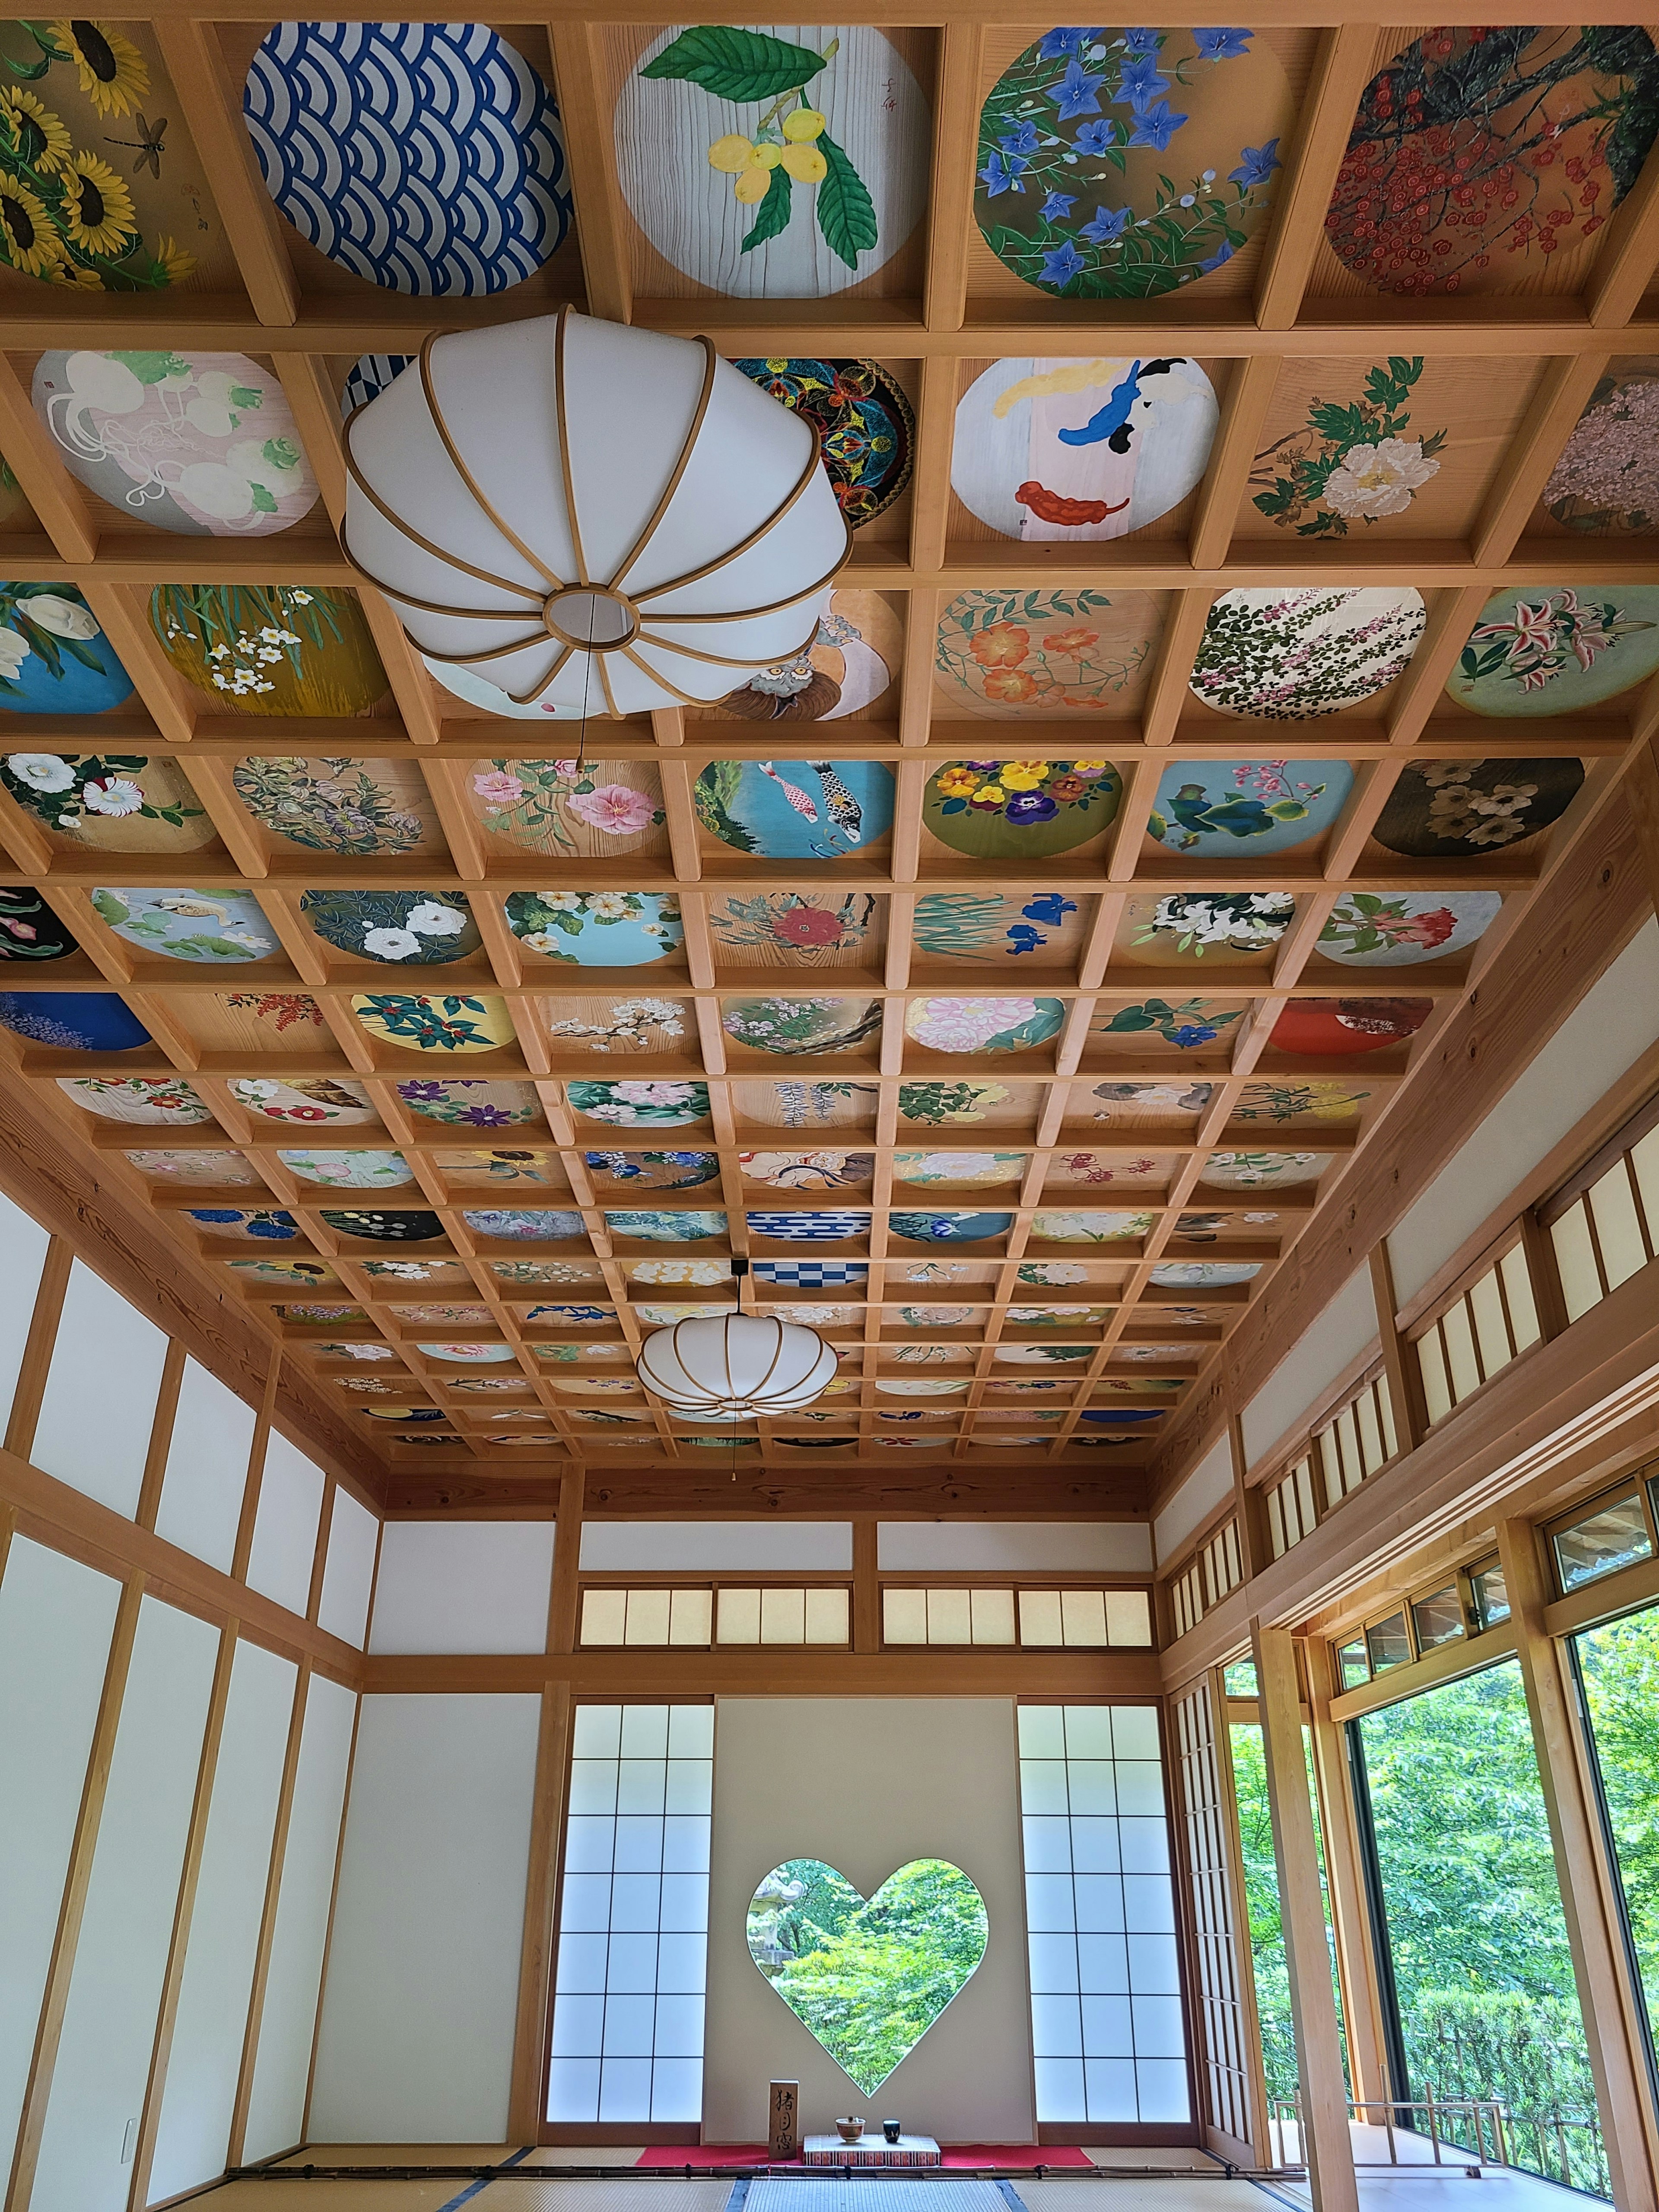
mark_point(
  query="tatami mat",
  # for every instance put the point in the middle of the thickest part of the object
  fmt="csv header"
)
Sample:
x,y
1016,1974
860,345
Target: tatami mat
x,y
1114,2193
462,2155
872,2193
344,2196
1158,2155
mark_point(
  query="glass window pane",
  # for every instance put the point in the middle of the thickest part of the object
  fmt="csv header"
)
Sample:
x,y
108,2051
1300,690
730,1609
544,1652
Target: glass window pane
x,y
1042,1729
690,1733
1354,1664
1239,1680
1389,1643
1491,1596
676,2088
1439,1618
904,1616
645,1731
1487,2004
1611,1537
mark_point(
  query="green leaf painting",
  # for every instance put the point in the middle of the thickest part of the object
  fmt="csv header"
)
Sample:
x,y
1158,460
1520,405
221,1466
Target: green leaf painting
x,y
735,65
847,215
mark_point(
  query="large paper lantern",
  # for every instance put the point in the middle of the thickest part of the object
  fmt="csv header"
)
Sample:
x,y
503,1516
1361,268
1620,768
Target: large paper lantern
x,y
728,1368
595,518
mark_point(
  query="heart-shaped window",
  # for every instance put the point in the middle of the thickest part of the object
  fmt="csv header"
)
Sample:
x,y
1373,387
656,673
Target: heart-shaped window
x,y
867,1977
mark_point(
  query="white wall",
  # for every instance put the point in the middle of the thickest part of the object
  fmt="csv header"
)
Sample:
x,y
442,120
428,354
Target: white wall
x,y
1612,1026
56,1617
416,2037
353,1532
206,2053
1109,1547
942,1782
463,1586
207,1468
115,1990
276,2116
1210,1481
1339,1337
694,1547
100,1403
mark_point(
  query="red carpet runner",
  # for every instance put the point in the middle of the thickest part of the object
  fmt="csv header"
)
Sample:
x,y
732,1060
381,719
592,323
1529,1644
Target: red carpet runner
x,y
1026,2156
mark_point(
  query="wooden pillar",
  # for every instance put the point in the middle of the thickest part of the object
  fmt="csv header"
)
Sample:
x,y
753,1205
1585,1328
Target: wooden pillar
x,y
1605,1995
1362,1999
1325,2143
536,1952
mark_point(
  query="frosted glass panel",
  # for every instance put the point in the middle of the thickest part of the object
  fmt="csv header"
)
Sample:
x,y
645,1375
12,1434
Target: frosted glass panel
x,y
99,1404
285,1526
56,1617
194,2134
631,1970
277,2107
23,1254
1108,2033
348,1576
207,1468
115,1990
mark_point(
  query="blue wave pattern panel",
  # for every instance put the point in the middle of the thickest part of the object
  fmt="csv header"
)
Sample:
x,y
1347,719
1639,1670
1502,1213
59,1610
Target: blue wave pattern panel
x,y
426,157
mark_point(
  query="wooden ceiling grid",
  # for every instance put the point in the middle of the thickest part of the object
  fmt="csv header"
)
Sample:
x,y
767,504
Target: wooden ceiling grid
x,y
1265,316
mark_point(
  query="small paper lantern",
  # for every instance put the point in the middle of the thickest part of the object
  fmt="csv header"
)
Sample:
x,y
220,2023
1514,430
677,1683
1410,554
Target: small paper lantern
x,y
592,518
727,1368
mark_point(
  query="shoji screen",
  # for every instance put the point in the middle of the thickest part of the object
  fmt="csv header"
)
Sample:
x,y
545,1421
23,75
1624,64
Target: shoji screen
x,y
1224,2030
1110,2038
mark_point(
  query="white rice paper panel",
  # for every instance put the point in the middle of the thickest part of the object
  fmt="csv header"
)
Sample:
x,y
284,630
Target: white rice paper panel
x,y
115,1990
717,1547
194,2134
100,1403
1319,1355
348,1573
1108,1547
285,1527
1210,1481
207,1468
288,2025
23,1254
463,1586
56,1618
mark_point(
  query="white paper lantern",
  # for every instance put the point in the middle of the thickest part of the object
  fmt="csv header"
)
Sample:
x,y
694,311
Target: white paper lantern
x,y
591,517
738,1366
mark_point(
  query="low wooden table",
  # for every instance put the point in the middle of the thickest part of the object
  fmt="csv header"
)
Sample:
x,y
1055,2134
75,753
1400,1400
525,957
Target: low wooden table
x,y
871,2150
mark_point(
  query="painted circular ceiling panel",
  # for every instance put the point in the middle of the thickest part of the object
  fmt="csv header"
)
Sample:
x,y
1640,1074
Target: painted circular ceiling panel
x,y
795,809
774,161
919,1386
271,1225
349,1170
1078,450
808,1170
78,1021
654,1171
369,377
805,1026
1043,1355
826,1226
1375,929
847,665
1101,1228
1291,655
202,447
596,929
667,1228
1003,655
1246,808
1228,926
413,929
331,806
112,802
29,930
270,649
1453,809
640,1105
948,1228
1482,159
213,928
1119,164
1316,1026
454,1024
1250,1170
424,157
977,1168
1606,483
1202,1275
563,809
222,1171
866,428
518,1225
472,1355
55,658
1557,652
308,1098
412,1228
1007,1024
1020,809
142,1098
470,1104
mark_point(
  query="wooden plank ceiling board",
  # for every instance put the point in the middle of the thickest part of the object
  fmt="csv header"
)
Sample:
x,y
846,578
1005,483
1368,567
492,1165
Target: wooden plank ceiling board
x,y
1012,1021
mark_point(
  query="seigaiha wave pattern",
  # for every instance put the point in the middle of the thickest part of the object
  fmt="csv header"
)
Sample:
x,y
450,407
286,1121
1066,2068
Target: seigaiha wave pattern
x,y
426,157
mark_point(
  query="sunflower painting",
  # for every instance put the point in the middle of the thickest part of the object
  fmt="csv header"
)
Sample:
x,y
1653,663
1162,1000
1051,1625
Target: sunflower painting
x,y
83,201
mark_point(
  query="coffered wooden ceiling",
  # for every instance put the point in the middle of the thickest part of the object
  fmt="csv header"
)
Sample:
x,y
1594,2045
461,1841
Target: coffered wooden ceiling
x,y
1012,976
